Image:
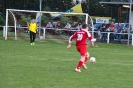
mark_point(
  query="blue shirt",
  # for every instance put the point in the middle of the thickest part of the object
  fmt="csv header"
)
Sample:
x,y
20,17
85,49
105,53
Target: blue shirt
x,y
119,29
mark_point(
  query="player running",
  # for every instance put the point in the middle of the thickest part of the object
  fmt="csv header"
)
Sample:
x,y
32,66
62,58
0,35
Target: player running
x,y
32,29
81,45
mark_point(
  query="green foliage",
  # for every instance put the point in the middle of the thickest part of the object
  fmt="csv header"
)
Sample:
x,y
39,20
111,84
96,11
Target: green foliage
x,y
95,8
46,8
24,19
2,21
81,19
45,19
64,20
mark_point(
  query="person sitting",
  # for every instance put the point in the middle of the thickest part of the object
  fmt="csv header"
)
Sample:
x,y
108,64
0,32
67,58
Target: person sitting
x,y
68,26
58,26
49,25
54,24
73,25
79,27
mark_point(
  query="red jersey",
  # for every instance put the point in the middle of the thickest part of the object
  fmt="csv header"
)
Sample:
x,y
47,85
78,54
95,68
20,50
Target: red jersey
x,y
111,26
81,37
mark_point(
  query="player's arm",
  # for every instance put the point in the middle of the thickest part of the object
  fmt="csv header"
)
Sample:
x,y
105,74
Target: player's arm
x,y
90,37
70,40
36,26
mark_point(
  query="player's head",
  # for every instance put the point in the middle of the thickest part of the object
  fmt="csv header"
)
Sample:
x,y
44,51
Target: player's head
x,y
33,20
84,26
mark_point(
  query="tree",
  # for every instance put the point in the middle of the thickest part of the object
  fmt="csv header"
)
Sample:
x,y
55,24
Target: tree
x,y
24,19
64,20
45,19
81,19
97,9
2,21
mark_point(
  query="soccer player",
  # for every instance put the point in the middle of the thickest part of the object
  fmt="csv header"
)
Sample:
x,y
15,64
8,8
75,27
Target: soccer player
x,y
32,29
81,45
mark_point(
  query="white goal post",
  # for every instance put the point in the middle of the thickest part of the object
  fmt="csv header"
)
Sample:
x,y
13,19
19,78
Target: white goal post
x,y
11,11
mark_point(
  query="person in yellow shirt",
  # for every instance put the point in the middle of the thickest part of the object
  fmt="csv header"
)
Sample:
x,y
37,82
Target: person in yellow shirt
x,y
32,30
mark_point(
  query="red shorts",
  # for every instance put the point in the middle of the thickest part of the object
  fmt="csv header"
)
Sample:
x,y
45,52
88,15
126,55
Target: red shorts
x,y
82,49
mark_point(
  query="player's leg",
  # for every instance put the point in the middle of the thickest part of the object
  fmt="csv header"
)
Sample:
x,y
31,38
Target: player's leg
x,y
31,37
80,63
102,36
82,50
86,59
34,36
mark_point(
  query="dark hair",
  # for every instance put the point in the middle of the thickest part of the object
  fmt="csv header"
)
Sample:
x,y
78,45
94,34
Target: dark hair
x,y
84,26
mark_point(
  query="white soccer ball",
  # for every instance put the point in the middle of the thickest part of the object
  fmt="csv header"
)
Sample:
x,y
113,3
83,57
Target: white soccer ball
x,y
92,59
41,37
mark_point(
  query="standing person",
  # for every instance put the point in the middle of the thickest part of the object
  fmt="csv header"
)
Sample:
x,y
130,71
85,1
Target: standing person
x,y
119,30
81,45
104,29
32,30
131,31
112,29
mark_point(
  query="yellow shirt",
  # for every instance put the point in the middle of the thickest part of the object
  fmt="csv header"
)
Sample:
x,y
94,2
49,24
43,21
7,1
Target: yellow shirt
x,y
33,27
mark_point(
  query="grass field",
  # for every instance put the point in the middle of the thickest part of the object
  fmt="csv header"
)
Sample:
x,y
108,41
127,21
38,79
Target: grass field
x,y
49,64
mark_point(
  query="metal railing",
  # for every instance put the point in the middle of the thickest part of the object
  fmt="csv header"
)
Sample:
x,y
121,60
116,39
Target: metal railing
x,y
44,31
120,0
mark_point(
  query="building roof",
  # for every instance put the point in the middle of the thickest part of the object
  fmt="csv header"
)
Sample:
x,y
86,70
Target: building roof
x,y
115,3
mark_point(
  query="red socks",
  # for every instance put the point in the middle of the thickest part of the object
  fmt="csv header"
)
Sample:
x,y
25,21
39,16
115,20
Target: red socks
x,y
86,59
80,64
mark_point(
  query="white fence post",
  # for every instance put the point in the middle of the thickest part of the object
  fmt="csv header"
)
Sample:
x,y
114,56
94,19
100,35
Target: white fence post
x,y
108,37
44,33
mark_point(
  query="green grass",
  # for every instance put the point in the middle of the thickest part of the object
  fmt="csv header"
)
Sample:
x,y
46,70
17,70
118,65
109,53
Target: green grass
x,y
49,64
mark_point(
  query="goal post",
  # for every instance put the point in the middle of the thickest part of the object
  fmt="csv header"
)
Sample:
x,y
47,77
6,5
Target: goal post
x,y
41,12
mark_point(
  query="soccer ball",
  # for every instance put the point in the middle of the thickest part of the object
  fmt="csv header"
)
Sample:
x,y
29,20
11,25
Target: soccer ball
x,y
92,59
41,37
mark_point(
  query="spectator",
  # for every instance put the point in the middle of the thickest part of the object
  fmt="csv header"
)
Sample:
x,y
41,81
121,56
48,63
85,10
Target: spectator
x,y
54,24
74,25
104,28
119,30
79,27
58,25
68,26
49,25
131,31
112,29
